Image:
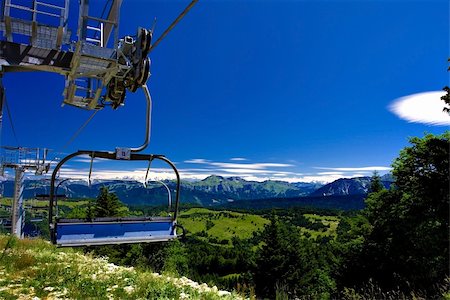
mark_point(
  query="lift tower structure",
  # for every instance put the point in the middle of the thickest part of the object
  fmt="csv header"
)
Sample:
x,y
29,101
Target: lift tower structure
x,y
98,66
20,160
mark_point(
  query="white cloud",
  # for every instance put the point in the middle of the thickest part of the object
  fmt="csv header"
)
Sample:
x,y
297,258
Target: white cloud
x,y
330,173
87,159
423,108
255,166
238,159
310,178
204,168
246,171
237,165
357,169
197,161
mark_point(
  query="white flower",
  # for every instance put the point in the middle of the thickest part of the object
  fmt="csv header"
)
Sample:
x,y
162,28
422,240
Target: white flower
x,y
129,289
223,293
204,288
184,296
49,288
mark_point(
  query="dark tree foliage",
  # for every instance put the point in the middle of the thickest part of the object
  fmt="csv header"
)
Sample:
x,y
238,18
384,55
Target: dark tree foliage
x,y
348,249
446,99
293,264
409,241
108,204
375,183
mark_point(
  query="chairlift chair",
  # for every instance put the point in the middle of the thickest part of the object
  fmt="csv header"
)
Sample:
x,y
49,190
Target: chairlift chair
x,y
111,230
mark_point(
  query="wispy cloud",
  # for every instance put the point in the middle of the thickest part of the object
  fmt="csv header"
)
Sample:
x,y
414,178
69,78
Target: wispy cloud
x,y
330,173
197,161
237,165
200,168
87,160
353,169
238,159
249,171
423,108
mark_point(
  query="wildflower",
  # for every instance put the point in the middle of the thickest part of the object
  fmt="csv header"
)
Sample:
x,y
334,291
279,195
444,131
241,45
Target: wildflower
x,y
184,295
223,293
49,288
129,289
203,288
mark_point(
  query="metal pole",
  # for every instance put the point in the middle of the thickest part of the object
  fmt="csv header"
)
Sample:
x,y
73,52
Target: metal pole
x,y
56,196
148,121
17,208
2,100
168,191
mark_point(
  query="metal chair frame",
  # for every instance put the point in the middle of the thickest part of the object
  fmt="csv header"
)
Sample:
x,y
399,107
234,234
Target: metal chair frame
x,y
105,231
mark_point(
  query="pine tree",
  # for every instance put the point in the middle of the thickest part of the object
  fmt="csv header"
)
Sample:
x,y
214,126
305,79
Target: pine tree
x,y
375,183
108,204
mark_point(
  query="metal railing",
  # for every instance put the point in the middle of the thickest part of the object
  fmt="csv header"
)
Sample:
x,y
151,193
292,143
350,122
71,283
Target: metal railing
x,y
35,11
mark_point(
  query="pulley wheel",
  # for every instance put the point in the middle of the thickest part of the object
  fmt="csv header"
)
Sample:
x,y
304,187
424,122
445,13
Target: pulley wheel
x,y
144,71
146,39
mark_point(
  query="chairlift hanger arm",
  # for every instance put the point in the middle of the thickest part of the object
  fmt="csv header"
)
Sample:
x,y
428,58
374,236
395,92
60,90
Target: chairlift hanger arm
x,y
148,121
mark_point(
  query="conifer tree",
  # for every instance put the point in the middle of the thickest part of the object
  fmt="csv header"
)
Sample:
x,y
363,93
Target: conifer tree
x,y
375,183
108,204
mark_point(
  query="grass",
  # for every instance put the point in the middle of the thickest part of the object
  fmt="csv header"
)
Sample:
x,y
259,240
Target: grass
x,y
331,221
35,269
45,203
222,225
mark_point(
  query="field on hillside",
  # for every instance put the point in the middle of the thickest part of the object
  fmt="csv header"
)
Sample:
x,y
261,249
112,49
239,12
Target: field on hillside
x,y
45,203
213,225
222,225
330,224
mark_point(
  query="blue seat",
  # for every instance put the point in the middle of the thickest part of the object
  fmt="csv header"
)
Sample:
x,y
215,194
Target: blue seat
x,y
110,231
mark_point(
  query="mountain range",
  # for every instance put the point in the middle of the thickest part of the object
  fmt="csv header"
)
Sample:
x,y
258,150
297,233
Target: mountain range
x,y
213,190
350,186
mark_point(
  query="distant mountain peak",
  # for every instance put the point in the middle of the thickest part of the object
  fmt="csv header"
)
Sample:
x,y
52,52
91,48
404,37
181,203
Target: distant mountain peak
x,y
213,177
348,186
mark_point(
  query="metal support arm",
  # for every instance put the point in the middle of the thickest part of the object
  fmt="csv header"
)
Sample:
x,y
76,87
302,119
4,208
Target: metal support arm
x,y
148,120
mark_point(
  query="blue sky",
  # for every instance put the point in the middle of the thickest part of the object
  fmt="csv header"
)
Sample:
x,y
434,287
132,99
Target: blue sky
x,y
288,90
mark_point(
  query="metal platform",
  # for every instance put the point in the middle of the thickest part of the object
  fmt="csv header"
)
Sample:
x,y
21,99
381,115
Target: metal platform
x,y
112,231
